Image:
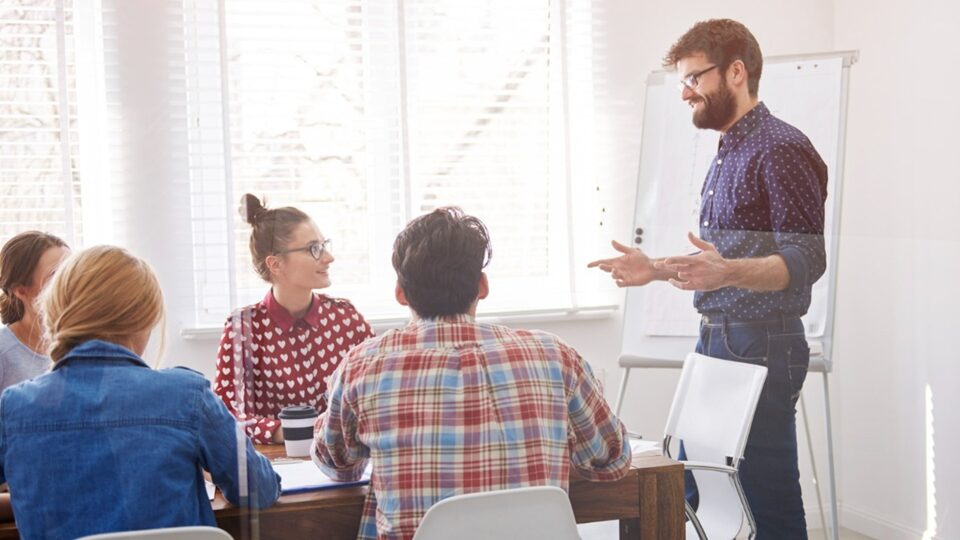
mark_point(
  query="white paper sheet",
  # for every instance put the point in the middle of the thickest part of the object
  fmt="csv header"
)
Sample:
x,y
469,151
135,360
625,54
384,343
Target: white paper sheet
x,y
305,476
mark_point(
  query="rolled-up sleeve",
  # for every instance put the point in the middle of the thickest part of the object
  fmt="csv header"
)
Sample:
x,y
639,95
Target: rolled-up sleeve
x,y
599,448
219,437
796,185
335,449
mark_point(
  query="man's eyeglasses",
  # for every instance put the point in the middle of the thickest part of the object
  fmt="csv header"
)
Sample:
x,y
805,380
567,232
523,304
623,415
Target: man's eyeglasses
x,y
316,249
692,81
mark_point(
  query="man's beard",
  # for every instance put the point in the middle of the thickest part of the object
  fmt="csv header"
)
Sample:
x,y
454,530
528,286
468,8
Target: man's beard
x,y
717,109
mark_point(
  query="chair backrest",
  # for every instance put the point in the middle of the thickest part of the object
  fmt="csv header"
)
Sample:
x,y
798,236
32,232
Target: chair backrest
x,y
531,513
713,407
172,533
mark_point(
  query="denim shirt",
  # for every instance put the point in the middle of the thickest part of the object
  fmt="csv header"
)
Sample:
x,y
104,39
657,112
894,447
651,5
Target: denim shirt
x,y
104,443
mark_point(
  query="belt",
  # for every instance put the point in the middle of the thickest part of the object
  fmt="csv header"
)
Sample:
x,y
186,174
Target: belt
x,y
720,318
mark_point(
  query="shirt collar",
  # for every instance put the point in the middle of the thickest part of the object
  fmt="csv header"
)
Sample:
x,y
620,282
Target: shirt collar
x,y
99,349
284,319
448,319
743,126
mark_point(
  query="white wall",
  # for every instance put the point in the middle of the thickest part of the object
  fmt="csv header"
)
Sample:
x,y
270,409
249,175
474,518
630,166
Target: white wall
x,y
898,288
900,257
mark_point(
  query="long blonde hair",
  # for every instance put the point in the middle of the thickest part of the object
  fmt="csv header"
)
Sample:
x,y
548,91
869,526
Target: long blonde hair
x,y
102,292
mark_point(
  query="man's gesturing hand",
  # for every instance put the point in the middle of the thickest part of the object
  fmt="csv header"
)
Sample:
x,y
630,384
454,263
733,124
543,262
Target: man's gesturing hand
x,y
703,271
632,268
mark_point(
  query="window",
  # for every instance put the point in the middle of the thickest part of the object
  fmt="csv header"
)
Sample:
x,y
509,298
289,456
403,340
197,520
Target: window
x,y
367,114
39,132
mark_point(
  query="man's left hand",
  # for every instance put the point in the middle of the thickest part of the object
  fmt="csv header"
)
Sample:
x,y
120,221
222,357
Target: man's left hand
x,y
703,271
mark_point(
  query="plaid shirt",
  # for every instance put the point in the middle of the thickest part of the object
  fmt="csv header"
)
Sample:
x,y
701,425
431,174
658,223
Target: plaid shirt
x,y
449,406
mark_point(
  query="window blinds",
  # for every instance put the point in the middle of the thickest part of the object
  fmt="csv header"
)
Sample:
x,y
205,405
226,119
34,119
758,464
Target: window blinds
x,y
39,151
367,114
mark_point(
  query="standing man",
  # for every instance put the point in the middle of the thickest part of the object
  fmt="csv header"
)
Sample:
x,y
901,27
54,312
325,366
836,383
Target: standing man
x,y
760,251
448,405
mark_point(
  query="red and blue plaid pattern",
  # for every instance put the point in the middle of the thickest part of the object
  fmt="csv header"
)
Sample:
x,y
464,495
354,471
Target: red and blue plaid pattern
x,y
449,406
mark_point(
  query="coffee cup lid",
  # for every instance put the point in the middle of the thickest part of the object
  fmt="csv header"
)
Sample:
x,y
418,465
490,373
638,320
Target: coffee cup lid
x,y
296,412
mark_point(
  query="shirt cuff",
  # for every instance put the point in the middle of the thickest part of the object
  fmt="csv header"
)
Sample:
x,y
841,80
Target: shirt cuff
x,y
346,474
612,468
799,269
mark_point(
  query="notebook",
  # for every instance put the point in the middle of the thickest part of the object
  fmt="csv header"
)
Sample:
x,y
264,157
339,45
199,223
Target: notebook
x,y
303,475
642,447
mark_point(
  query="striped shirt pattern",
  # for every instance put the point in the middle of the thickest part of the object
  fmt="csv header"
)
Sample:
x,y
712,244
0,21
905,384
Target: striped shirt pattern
x,y
449,406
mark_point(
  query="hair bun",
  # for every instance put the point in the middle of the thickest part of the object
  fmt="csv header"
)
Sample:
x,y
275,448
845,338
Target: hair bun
x,y
11,308
251,208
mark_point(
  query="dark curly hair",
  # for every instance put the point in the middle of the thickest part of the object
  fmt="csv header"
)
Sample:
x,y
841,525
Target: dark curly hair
x,y
439,258
723,41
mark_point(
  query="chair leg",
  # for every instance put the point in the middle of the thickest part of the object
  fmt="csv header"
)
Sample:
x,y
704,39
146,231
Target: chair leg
x,y
833,475
692,516
813,464
751,522
621,393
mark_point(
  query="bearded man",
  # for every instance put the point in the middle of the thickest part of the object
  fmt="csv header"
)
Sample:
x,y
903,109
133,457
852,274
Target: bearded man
x,y
760,250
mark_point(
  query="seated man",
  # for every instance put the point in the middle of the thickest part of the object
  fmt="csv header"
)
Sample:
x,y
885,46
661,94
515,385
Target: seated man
x,y
448,405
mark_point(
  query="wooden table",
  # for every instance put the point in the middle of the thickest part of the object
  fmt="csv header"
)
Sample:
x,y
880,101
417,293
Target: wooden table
x,y
648,502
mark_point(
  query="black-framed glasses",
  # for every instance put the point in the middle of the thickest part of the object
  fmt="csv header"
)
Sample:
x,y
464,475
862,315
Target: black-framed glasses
x,y
692,81
316,249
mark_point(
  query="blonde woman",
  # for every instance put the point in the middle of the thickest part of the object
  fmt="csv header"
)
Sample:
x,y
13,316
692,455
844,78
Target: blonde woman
x,y
103,442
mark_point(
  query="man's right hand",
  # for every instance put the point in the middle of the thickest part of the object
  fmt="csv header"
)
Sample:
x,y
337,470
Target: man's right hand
x,y
632,268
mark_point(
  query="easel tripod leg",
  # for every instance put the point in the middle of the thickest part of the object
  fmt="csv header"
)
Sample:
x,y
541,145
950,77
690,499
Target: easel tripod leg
x,y
622,392
813,465
830,460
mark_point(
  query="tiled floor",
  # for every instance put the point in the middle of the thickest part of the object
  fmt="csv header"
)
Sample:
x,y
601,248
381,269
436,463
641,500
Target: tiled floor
x,y
607,530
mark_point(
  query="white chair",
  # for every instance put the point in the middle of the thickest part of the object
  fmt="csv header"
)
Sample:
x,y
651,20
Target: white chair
x,y
712,412
531,513
171,533
819,363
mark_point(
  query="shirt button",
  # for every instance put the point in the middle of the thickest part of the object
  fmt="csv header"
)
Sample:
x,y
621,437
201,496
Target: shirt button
x,y
719,161
710,192
705,223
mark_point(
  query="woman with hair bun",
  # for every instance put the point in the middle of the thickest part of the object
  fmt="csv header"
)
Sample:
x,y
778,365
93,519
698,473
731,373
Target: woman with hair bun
x,y
280,351
27,262
105,443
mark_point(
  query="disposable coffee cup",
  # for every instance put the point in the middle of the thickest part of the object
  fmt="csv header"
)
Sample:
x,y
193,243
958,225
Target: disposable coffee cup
x,y
297,424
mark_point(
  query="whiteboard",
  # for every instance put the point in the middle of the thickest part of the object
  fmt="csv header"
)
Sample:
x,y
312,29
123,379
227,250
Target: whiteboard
x,y
807,92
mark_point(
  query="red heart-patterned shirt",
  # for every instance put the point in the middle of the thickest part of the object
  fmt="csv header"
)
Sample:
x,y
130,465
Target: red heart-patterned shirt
x,y
267,360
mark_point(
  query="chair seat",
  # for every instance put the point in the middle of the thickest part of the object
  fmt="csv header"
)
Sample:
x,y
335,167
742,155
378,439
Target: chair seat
x,y
533,513
169,533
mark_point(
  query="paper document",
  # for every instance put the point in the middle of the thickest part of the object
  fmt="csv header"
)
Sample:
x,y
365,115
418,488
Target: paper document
x,y
305,476
642,447
211,489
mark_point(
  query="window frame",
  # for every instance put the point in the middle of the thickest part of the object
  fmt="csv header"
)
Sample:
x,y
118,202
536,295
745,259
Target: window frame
x,y
572,294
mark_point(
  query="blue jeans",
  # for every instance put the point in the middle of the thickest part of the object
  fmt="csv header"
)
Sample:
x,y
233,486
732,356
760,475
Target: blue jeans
x,y
769,472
